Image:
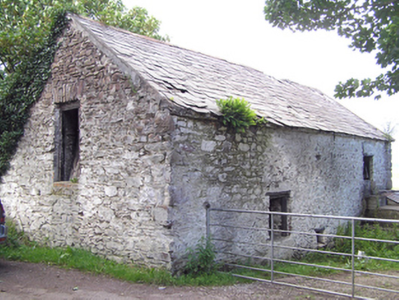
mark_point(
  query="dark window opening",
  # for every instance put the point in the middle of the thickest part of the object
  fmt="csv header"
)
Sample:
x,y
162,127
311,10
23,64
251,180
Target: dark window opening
x,y
367,167
279,203
67,143
320,238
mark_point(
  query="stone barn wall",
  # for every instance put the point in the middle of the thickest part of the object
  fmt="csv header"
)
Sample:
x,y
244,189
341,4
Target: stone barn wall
x,y
118,207
323,173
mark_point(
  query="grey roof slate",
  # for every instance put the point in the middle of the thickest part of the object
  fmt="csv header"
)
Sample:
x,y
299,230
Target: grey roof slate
x,y
195,80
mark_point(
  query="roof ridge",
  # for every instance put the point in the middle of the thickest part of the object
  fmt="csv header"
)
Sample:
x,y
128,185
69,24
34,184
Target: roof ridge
x,y
69,14
195,81
169,44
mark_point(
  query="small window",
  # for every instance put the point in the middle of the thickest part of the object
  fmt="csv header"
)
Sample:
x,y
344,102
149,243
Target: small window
x,y
279,203
367,167
67,142
320,238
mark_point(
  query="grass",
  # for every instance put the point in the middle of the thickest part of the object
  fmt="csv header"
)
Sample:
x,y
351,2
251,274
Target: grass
x,y
18,247
341,245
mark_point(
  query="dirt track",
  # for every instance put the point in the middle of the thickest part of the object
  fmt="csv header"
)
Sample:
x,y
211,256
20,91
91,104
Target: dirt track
x,y
29,281
39,281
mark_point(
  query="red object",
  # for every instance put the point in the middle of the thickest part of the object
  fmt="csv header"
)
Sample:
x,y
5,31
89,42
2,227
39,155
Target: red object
x,y
2,214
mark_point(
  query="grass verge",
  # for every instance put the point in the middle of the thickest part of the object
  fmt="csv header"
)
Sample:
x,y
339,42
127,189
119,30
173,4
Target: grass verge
x,y
18,247
343,245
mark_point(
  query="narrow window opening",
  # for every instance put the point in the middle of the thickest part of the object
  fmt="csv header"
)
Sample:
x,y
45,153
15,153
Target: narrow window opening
x,y
320,238
70,143
67,143
279,203
367,167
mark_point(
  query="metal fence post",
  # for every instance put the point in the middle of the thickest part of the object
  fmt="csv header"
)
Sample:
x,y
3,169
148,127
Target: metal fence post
x,y
272,247
353,257
208,220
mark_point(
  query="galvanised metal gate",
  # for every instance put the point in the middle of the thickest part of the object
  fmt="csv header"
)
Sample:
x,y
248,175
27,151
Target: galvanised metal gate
x,y
220,229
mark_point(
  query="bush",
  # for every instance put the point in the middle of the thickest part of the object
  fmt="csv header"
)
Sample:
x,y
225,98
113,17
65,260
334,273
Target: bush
x,y
202,260
238,114
372,248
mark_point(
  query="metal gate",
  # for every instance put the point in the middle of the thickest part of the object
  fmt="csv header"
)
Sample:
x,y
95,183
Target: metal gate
x,y
241,251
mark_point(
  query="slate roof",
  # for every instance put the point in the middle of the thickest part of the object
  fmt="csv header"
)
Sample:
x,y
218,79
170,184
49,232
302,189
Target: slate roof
x,y
195,80
393,196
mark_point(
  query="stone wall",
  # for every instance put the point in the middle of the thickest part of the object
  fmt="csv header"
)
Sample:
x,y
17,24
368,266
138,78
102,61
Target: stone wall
x,y
323,173
118,207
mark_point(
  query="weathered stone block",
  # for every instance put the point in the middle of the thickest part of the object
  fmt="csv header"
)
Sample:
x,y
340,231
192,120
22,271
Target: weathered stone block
x,y
208,146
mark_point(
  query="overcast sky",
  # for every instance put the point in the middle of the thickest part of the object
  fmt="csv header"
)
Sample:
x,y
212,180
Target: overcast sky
x,y
236,30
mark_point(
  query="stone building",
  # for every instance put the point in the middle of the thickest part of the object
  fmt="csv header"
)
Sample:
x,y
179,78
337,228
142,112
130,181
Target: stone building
x,y
125,146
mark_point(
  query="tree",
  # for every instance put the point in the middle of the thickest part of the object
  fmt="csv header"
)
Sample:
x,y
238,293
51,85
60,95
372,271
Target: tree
x,y
29,30
25,24
372,25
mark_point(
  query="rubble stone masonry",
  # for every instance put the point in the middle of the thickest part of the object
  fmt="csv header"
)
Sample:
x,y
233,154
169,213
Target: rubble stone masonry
x,y
118,205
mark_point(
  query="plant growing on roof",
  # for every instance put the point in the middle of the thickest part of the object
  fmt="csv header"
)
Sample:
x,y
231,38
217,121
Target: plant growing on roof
x,y
237,113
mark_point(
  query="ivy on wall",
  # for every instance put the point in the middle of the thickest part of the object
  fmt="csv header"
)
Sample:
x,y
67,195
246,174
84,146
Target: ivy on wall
x,y
19,90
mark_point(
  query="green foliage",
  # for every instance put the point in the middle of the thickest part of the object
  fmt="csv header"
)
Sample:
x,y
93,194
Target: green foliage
x,y
341,245
202,259
202,268
372,25
16,238
18,247
21,89
238,114
370,231
28,33
25,24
